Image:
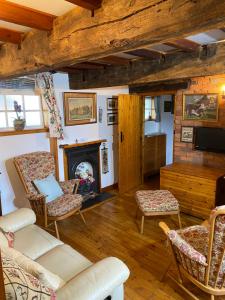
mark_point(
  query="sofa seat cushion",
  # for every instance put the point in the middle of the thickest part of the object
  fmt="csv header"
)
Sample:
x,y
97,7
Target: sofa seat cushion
x,y
33,241
64,204
64,261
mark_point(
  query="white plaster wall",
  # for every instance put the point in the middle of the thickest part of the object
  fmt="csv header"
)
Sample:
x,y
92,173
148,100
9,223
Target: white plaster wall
x,y
90,132
12,191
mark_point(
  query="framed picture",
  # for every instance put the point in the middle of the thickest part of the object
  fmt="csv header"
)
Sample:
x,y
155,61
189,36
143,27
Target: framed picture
x,y
112,103
167,106
112,118
187,133
202,107
80,108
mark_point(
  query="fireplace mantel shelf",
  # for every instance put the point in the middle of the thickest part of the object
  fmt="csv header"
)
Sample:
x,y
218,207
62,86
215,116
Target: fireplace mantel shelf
x,y
68,146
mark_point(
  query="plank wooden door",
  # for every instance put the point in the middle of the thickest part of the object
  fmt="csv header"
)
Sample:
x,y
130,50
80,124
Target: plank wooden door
x,y
130,127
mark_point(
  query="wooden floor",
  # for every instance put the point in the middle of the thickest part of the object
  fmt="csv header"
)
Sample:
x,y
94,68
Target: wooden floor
x,y
112,230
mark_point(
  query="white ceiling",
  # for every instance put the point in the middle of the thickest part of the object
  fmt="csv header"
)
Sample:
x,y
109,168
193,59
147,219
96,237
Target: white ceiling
x,y
54,7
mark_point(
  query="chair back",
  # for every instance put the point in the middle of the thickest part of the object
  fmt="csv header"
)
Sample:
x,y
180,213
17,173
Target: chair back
x,y
216,257
35,165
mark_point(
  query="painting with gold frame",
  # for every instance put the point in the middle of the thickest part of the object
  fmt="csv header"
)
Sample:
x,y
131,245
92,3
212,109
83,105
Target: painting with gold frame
x,y
200,107
80,108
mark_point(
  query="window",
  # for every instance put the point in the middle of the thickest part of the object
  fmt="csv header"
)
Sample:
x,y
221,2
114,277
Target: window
x,y
150,114
31,110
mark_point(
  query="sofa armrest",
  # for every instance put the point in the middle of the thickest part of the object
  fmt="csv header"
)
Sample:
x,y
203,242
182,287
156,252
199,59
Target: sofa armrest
x,y
18,219
96,282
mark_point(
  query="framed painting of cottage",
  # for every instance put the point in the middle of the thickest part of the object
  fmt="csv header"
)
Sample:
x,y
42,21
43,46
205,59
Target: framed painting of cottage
x,y
201,107
80,108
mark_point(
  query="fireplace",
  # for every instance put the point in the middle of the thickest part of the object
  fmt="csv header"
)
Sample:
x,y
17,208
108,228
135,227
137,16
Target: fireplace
x,y
82,162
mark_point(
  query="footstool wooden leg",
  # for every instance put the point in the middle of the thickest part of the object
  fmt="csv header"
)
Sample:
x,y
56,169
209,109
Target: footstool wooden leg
x,y
179,220
142,224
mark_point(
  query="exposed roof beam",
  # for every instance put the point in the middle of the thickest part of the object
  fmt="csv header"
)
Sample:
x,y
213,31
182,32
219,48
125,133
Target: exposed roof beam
x,y
18,14
113,60
75,39
145,53
89,4
87,66
208,60
183,44
10,36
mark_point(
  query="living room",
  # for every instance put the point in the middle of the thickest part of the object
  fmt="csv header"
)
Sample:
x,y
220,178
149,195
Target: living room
x,y
112,149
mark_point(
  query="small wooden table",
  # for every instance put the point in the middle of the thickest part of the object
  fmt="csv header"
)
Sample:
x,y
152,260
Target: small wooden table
x,y
194,186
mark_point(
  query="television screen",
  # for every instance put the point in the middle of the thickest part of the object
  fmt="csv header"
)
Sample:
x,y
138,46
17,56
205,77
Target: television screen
x,y
209,139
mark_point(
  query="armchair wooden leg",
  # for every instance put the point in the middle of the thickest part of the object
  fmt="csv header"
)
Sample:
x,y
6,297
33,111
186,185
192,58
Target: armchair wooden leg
x,y
142,224
179,220
82,217
56,230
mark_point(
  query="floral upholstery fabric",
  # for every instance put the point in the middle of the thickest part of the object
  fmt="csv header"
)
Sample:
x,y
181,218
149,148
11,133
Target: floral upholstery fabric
x,y
36,165
68,186
64,204
21,285
9,236
156,201
218,248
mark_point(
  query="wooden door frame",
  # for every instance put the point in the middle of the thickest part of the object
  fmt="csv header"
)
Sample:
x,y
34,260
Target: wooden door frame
x,y
155,94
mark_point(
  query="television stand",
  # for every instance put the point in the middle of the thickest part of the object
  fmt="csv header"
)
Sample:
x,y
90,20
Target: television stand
x,y
194,186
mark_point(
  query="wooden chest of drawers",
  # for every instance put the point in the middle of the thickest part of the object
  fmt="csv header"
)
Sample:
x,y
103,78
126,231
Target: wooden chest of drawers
x,y
194,186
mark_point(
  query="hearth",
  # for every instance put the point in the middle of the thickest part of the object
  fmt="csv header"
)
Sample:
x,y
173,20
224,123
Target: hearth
x,y
82,162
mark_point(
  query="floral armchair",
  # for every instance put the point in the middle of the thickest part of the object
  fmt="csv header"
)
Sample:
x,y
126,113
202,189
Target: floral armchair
x,y
39,165
199,253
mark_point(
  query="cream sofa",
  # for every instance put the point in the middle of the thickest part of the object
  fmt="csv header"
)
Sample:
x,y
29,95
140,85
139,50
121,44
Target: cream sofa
x,y
83,279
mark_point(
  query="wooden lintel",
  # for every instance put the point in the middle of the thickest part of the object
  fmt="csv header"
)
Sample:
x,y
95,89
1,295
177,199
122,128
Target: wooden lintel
x,y
118,26
68,146
159,86
145,53
183,44
180,65
18,14
10,36
88,4
113,60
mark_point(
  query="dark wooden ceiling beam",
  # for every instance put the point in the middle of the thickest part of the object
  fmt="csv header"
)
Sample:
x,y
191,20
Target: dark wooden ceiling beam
x,y
88,4
113,60
10,36
18,14
145,53
183,44
208,60
118,27
88,66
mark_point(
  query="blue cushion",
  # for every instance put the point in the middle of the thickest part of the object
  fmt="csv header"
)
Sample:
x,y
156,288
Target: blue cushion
x,y
49,187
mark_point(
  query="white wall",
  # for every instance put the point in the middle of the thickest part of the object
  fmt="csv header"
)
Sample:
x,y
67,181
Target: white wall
x,y
12,191
90,132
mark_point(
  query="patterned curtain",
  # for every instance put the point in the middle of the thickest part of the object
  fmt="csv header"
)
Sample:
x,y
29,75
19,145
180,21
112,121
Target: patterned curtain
x,y
45,84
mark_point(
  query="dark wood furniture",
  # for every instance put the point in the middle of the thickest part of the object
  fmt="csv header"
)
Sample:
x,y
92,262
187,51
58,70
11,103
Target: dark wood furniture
x,y
193,185
154,153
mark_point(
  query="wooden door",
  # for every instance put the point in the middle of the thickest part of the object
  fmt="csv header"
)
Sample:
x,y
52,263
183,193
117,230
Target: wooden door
x,y
130,126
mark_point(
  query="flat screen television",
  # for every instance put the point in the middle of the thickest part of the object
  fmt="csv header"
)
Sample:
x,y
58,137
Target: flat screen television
x,y
209,139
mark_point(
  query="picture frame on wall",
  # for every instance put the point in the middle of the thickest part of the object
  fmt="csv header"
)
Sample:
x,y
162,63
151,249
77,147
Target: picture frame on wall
x,y
200,107
187,134
80,108
112,103
112,118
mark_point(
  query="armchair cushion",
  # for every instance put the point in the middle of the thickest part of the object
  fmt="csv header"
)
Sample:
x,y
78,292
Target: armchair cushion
x,y
186,248
64,204
69,185
49,187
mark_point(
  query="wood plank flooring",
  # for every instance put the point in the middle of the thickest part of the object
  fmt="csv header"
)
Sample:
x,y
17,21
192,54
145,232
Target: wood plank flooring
x,y
112,230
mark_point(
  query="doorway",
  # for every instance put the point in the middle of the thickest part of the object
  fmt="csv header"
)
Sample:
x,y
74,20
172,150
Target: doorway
x,y
158,133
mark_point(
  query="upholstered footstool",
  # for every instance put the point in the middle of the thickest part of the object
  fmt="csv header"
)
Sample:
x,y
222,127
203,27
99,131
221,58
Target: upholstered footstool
x,y
156,203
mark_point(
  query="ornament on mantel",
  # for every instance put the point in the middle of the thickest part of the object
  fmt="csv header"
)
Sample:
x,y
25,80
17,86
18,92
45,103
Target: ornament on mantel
x,y
105,163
